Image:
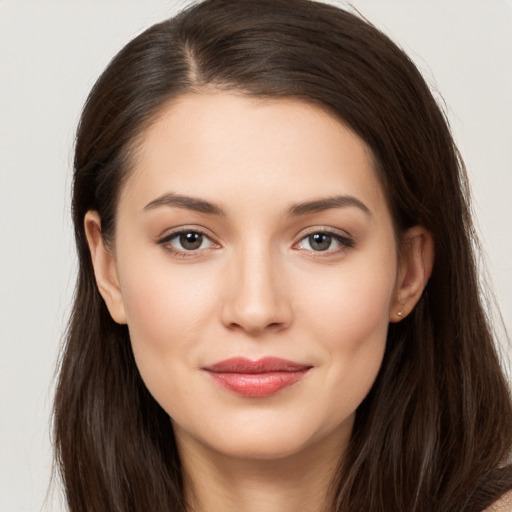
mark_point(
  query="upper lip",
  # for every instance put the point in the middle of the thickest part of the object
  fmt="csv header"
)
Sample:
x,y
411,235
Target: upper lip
x,y
264,365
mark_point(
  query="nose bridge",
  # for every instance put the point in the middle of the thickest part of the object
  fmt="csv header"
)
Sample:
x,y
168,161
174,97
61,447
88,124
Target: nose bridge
x,y
257,299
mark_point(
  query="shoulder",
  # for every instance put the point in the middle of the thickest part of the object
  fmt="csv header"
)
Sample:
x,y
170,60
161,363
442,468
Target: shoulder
x,y
504,504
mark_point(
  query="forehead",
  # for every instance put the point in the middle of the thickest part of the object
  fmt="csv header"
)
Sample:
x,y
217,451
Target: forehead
x,y
229,147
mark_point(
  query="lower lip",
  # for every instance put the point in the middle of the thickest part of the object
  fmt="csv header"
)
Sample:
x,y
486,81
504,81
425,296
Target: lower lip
x,y
257,384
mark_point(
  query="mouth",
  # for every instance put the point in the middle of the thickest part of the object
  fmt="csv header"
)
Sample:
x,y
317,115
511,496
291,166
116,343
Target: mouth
x,y
261,378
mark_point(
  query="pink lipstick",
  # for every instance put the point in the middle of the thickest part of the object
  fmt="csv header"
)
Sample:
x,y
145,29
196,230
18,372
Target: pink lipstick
x,y
260,378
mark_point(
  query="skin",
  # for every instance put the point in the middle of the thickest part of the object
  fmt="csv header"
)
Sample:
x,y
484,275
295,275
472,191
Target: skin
x,y
257,287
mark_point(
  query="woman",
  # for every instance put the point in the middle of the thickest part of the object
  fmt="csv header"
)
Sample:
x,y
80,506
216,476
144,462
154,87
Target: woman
x,y
277,304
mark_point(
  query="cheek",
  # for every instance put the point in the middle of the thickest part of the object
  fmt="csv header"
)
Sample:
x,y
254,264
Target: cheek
x,y
166,311
352,304
350,319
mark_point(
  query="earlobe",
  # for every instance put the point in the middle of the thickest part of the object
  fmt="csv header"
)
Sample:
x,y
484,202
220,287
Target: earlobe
x,y
414,270
104,265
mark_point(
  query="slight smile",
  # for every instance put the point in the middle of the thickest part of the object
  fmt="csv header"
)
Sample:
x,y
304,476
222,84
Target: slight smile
x,y
261,378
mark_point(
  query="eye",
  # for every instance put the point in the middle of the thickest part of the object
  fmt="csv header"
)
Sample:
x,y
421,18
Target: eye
x,y
324,241
181,242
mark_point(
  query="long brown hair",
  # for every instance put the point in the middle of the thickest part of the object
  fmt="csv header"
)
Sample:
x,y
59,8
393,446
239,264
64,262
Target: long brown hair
x,y
435,431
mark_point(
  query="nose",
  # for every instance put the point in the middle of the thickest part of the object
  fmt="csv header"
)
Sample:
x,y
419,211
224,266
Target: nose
x,y
256,299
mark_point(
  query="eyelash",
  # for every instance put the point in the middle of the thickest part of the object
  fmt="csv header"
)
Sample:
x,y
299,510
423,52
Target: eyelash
x,y
165,242
345,242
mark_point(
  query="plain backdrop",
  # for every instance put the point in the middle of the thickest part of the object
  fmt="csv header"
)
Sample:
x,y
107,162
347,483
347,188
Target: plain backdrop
x,y
51,52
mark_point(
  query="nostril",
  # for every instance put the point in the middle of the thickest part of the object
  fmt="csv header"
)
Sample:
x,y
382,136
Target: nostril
x,y
255,325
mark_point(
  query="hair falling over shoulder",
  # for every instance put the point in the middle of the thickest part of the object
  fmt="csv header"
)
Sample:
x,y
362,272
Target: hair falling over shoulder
x,y
435,431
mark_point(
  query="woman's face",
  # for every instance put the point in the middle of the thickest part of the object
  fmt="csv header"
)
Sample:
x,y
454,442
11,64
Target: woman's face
x,y
257,269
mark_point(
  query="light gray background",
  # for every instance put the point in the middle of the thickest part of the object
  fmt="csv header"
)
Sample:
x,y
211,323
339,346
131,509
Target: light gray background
x,y
51,52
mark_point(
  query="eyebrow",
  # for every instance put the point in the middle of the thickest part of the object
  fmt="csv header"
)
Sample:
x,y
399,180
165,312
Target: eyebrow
x,y
319,205
186,202
296,210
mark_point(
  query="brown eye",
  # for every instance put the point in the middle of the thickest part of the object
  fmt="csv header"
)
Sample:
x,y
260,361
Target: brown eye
x,y
191,240
186,241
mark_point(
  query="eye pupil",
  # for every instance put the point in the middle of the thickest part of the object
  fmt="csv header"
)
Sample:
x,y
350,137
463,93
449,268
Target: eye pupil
x,y
191,240
320,241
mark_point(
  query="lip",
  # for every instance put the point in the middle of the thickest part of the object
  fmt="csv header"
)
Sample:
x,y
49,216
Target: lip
x,y
261,378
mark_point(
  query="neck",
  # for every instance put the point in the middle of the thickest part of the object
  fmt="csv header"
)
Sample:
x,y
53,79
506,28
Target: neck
x,y
215,482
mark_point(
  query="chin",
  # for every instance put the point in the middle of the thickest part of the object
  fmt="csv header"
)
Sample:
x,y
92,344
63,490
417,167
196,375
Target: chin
x,y
267,438
271,447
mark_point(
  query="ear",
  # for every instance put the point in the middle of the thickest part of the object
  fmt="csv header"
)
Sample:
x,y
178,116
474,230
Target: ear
x,y
105,269
414,270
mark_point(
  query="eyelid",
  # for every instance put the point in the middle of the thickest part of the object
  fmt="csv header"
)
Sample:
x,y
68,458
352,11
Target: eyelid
x,y
164,240
167,232
342,237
